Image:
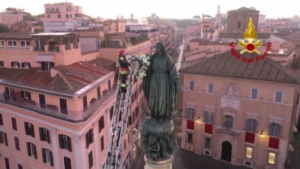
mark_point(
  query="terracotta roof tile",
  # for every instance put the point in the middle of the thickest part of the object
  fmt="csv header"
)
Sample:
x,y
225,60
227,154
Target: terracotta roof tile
x,y
226,65
69,79
240,35
104,64
15,35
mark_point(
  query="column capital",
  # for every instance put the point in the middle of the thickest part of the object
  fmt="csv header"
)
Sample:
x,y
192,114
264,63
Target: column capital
x,y
53,130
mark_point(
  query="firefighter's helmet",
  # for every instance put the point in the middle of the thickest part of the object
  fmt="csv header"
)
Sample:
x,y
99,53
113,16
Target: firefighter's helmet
x,y
122,52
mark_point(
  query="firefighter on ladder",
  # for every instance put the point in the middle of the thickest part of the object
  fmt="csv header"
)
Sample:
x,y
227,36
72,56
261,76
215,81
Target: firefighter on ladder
x,y
124,70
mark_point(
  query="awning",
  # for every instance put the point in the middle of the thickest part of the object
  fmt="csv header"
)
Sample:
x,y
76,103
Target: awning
x,y
45,58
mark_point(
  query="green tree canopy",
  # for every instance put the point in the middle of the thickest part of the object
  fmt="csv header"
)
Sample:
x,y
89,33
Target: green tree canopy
x,y
4,28
196,17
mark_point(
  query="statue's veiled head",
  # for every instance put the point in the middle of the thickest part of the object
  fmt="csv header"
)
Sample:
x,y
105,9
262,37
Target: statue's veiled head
x,y
160,49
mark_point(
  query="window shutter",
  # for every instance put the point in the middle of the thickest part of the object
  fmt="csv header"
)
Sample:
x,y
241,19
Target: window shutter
x,y
12,64
23,64
34,151
254,125
70,144
41,134
1,119
29,65
18,64
99,125
5,138
92,136
26,128
212,117
87,140
102,122
48,136
29,95
17,144
270,129
44,155
51,158
22,94
1,137
32,130
28,149
60,140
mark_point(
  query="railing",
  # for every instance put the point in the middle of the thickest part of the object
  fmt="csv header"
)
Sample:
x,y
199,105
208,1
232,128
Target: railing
x,y
54,111
67,47
53,48
42,48
75,45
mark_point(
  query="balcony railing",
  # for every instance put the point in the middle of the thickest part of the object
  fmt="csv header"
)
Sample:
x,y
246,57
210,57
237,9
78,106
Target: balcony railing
x,y
75,45
42,48
53,48
54,111
67,47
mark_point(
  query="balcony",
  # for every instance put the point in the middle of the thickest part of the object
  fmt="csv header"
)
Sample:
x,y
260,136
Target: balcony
x,y
53,48
54,111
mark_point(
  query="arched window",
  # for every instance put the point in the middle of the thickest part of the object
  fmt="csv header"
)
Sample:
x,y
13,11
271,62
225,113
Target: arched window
x,y
26,65
251,125
15,64
239,25
275,129
228,121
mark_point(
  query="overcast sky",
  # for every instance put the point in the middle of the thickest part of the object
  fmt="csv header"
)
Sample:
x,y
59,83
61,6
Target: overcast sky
x,y
163,8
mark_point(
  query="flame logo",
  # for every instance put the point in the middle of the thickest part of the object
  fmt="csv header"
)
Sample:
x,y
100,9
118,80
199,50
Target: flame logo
x,y
249,43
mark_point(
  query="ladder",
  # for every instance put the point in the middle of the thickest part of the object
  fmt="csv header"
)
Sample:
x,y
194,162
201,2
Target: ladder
x,y
115,147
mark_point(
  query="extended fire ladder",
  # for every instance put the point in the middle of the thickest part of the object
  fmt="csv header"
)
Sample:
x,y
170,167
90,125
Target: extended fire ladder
x,y
115,147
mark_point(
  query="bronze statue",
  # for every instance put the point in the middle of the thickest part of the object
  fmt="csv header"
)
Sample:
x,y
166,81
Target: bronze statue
x,y
160,85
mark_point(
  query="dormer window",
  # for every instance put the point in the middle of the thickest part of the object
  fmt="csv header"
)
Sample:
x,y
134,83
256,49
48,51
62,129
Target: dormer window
x,y
24,45
12,44
26,65
15,64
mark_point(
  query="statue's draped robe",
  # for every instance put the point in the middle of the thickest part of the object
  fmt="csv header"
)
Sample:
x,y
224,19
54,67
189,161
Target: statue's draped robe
x,y
159,86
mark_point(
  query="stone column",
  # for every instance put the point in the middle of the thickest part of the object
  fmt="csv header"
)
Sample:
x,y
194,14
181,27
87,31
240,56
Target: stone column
x,y
79,151
165,164
55,147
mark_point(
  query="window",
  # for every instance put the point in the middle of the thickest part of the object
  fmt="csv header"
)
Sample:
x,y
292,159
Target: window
x,y
48,16
278,96
20,166
228,121
251,125
84,102
24,45
2,44
89,138
190,138
58,16
1,120
67,162
14,123
208,117
3,138
26,95
249,152
31,150
47,156
239,25
17,144
101,123
109,85
192,85
15,64
67,15
207,142
29,129
271,158
1,64
26,65
12,44
254,93
98,92
190,113
274,130
65,142
102,143
91,159
46,66
44,134
7,166
210,88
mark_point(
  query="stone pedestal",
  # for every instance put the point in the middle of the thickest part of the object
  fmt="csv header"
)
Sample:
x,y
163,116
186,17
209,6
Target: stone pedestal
x,y
165,164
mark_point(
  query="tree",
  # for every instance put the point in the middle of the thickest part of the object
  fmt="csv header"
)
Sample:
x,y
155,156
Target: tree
x,y
153,18
295,63
4,28
196,17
